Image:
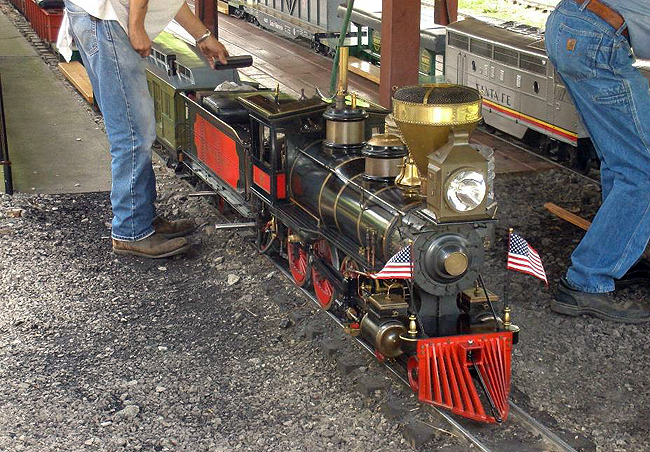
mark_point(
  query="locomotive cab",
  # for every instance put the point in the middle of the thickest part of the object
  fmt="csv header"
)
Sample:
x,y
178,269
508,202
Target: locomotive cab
x,y
272,116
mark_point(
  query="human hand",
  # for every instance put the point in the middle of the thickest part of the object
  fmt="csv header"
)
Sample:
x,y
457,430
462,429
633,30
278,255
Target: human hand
x,y
140,40
214,50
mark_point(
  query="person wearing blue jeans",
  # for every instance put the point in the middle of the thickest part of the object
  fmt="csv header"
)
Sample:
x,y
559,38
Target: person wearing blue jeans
x,y
590,42
114,38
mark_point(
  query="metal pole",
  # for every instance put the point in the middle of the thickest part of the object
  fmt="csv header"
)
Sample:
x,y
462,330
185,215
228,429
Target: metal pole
x,y
445,11
4,147
206,11
344,30
506,304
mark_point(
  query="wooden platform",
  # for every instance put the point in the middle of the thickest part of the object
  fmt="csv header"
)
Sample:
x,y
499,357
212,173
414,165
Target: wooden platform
x,y
54,145
76,73
364,69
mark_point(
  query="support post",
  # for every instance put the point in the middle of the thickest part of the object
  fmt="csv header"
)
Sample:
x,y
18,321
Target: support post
x,y
206,11
445,12
400,47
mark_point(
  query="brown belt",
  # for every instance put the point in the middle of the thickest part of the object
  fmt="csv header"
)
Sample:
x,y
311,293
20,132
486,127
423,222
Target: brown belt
x,y
607,14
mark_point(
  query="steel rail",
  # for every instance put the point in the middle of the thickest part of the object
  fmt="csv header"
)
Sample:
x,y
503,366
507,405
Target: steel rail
x,y
536,154
517,412
454,424
541,428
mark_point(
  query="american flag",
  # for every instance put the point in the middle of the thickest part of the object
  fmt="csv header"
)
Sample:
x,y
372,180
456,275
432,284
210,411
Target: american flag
x,y
399,266
523,258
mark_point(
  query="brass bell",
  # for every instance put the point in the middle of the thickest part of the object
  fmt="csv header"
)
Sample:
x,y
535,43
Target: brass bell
x,y
409,178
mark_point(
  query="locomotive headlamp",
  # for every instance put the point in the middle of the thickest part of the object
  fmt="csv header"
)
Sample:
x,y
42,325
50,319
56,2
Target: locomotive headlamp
x,y
466,190
457,180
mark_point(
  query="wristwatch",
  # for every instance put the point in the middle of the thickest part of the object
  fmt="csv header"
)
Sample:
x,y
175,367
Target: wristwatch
x,y
205,36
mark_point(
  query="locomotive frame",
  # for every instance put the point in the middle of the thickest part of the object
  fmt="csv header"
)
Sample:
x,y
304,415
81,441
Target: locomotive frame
x,y
329,203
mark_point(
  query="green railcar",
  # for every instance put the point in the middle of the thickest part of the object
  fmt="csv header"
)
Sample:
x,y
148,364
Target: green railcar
x,y
175,67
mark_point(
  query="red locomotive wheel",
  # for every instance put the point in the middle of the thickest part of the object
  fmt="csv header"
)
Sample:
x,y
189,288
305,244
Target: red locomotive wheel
x,y
323,288
298,262
412,371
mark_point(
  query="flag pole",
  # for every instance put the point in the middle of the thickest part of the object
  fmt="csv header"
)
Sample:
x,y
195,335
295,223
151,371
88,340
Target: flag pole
x,y
506,302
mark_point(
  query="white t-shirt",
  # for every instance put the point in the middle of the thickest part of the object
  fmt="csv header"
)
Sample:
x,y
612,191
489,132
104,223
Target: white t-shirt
x,y
159,14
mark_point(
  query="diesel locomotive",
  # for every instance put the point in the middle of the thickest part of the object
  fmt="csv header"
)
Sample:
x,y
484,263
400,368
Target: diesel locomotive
x,y
388,229
522,93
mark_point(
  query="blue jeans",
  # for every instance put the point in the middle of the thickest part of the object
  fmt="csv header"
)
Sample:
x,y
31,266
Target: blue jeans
x,y
117,75
595,63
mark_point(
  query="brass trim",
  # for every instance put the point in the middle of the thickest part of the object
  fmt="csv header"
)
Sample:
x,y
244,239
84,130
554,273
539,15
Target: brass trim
x,y
456,263
338,195
339,132
363,209
301,153
429,91
388,230
304,208
320,195
437,114
342,85
383,167
406,209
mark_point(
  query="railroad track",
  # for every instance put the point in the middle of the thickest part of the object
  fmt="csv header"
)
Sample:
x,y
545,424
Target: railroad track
x,y
511,141
476,435
44,49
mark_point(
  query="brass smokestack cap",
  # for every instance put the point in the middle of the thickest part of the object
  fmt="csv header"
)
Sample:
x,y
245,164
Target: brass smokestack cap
x,y
440,104
425,114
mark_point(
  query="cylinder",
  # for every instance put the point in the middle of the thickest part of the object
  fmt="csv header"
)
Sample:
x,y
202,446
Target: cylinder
x,y
341,132
385,335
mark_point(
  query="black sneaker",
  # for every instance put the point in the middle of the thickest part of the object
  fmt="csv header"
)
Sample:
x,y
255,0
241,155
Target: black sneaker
x,y
605,306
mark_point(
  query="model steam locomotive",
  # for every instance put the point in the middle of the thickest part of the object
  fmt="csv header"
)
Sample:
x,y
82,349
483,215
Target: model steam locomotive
x,y
388,229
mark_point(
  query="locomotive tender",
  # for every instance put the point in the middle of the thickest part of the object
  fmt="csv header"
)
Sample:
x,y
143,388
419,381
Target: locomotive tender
x,y
338,203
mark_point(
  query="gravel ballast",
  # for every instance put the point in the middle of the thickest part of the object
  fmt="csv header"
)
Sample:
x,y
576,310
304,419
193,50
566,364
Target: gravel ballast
x,y
208,351
216,351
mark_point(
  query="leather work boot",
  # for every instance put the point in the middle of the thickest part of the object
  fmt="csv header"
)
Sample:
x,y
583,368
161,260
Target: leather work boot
x,y
639,273
155,246
605,306
172,229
